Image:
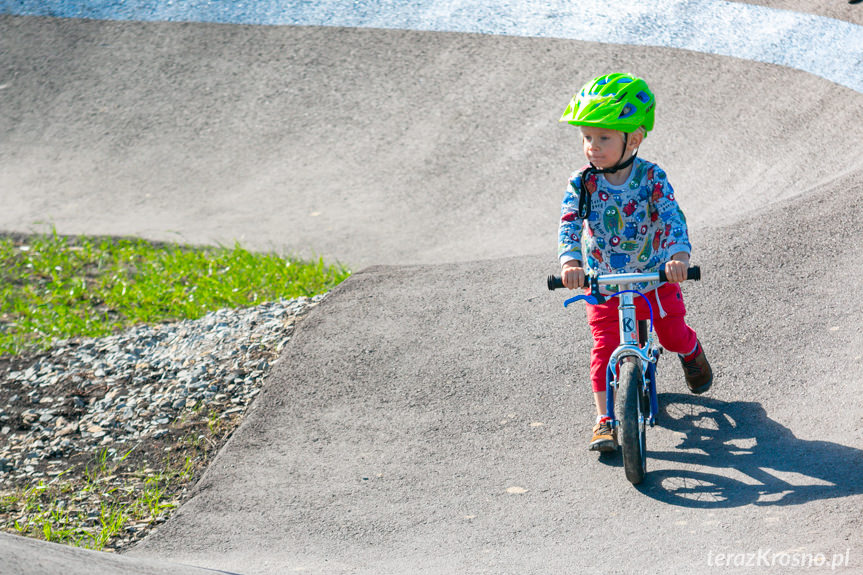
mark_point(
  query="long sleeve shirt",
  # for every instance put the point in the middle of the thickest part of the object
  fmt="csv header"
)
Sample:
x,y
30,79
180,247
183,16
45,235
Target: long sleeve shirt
x,y
632,228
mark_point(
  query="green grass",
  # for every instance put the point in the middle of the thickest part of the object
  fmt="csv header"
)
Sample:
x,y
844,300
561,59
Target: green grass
x,y
42,510
56,287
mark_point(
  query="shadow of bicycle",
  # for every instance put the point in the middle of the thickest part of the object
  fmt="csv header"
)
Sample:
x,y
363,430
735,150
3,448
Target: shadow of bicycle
x,y
757,460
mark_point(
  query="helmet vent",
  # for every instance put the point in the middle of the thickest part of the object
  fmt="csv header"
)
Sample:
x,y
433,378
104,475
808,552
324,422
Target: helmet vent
x,y
627,111
643,96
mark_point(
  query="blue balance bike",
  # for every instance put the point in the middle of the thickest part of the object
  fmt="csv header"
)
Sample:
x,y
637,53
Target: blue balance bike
x,y
631,371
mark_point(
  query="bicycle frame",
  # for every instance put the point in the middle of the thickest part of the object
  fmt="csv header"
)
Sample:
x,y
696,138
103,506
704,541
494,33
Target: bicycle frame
x,y
645,355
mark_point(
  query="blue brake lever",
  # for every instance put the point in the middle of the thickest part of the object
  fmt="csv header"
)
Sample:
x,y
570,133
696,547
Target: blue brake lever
x,y
595,297
588,298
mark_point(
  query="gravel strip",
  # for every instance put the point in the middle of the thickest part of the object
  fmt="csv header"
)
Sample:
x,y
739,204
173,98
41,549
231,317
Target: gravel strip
x,y
141,391
115,391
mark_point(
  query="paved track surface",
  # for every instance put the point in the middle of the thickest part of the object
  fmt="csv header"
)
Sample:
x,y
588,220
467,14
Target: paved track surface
x,y
369,146
416,398
432,418
21,555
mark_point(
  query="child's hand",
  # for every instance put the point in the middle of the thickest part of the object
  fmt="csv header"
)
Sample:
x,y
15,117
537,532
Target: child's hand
x,y
572,274
676,271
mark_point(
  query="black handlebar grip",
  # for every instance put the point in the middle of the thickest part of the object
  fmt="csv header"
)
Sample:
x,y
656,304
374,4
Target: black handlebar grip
x,y
693,273
554,282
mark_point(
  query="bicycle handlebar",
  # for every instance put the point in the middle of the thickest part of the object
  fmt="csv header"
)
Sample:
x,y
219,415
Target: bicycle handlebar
x,y
693,273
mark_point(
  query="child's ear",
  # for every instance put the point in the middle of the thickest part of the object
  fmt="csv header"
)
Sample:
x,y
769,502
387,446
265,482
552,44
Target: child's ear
x,y
635,139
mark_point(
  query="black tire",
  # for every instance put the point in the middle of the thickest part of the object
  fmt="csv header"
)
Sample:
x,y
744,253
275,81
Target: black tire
x,y
633,440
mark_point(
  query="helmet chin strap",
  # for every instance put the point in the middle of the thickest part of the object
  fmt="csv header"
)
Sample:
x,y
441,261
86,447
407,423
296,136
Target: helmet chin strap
x,y
584,194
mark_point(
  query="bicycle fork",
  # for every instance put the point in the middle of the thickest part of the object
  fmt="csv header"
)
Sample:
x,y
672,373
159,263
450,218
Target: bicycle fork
x,y
646,358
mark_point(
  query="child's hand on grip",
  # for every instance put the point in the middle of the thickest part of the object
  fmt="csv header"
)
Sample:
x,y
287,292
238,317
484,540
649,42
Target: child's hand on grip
x,y
676,270
572,274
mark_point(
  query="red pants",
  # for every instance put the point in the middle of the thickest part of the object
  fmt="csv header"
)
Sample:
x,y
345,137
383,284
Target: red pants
x,y
674,335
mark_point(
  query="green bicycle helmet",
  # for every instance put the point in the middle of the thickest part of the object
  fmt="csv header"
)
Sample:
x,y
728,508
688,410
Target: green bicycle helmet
x,y
615,101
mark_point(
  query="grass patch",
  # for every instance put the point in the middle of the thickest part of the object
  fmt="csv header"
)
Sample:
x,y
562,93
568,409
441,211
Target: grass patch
x,y
57,287
115,498
94,508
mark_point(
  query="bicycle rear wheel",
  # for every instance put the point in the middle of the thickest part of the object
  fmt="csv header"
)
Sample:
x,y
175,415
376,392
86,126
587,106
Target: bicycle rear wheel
x,y
633,421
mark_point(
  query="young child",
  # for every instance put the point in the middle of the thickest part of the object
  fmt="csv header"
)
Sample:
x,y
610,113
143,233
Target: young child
x,y
619,216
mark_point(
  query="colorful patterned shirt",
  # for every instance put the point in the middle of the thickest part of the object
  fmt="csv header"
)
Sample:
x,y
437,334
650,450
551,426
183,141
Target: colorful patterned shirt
x,y
632,228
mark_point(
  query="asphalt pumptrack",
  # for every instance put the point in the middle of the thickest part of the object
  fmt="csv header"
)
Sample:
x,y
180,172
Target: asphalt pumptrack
x,y
432,414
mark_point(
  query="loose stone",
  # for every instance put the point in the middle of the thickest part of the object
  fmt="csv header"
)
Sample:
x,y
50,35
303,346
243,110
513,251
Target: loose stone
x,y
130,386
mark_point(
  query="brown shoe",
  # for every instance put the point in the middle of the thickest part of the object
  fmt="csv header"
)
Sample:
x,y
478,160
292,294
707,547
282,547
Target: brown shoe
x,y
604,437
699,376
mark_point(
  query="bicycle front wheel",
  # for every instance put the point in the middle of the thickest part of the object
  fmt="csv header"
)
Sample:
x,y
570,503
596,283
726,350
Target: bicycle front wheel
x,y
633,423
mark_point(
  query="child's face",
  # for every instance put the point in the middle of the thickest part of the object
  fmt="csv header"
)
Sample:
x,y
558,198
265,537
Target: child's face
x,y
602,147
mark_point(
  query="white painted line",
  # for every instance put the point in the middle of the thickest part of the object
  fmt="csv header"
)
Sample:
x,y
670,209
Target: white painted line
x,y
826,47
